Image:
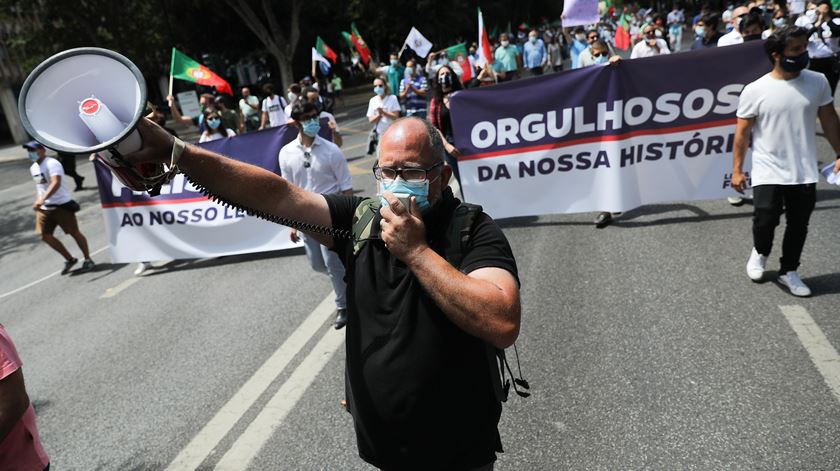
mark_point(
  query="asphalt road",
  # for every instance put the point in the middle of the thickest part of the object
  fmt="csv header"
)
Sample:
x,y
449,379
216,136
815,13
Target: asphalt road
x,y
645,343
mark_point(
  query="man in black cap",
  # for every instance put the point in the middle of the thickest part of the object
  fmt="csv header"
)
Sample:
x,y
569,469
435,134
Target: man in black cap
x,y
54,206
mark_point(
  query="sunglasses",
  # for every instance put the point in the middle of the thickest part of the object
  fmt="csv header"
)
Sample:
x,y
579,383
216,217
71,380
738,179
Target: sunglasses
x,y
307,160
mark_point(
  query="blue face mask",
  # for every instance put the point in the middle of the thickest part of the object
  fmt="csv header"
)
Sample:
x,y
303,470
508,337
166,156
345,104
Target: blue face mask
x,y
394,62
311,127
214,123
602,59
700,31
379,90
419,190
409,71
33,156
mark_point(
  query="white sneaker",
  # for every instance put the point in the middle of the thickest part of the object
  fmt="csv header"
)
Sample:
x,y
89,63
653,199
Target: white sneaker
x,y
794,283
756,265
142,267
735,200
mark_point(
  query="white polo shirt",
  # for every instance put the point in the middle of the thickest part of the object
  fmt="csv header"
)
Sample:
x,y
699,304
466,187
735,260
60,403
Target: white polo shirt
x,y
327,174
731,38
641,49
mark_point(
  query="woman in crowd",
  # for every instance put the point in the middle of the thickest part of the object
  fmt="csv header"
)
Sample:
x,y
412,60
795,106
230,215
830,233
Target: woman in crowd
x,y
215,128
383,109
445,83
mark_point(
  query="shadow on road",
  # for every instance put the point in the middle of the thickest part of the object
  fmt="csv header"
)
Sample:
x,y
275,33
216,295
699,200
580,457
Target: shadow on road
x,y
190,264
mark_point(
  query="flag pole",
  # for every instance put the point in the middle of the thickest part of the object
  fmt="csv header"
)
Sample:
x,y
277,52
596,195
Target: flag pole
x,y
171,67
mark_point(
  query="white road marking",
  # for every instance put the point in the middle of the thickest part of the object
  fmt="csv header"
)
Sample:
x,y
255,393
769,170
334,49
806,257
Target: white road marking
x,y
249,444
824,356
18,290
206,440
111,292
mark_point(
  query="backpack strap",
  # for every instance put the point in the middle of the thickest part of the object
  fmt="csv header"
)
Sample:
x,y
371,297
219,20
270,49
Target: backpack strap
x,y
363,222
460,232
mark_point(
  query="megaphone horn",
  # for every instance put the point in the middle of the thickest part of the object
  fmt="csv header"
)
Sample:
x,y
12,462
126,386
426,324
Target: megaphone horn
x,y
88,100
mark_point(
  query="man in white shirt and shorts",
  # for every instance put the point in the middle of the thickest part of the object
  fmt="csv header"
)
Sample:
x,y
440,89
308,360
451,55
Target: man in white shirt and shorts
x,y
54,206
778,113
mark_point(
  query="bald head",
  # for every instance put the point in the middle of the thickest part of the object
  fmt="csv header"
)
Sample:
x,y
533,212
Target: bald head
x,y
412,139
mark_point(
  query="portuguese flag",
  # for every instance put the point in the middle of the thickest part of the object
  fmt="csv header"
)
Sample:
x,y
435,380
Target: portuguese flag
x,y
622,33
458,53
325,50
357,40
187,69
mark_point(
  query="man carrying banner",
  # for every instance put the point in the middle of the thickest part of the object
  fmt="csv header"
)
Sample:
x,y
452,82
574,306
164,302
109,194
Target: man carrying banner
x,y
777,113
419,383
317,165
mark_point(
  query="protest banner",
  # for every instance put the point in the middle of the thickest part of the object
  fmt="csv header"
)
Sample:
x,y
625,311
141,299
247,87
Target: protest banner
x,y
605,137
182,222
580,12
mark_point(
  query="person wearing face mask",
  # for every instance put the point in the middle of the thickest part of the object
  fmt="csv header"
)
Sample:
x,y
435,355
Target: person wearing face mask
x,y
555,54
777,116
395,72
55,207
313,96
418,380
413,90
778,20
249,111
706,32
508,58
650,45
442,88
534,55
676,20
216,128
823,44
585,58
733,35
578,44
383,109
317,165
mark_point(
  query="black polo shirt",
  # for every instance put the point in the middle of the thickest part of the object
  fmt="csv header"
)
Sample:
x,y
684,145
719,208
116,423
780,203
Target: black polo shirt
x,y
419,388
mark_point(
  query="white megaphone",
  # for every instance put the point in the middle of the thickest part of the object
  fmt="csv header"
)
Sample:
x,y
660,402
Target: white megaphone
x,y
89,100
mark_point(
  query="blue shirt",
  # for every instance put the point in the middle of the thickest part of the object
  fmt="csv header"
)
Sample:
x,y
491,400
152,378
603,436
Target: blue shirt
x,y
576,48
534,54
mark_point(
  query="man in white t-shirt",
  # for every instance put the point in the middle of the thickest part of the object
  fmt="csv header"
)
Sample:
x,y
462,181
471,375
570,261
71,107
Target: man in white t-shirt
x,y
317,165
272,108
54,206
777,112
734,35
383,109
650,45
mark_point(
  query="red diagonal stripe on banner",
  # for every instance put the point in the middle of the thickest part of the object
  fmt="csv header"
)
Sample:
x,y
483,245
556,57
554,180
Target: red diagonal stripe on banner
x,y
587,140
153,202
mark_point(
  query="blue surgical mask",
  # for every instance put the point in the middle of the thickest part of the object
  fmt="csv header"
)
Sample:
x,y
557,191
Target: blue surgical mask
x,y
409,70
214,123
379,90
602,59
394,62
419,190
700,31
311,127
779,22
33,156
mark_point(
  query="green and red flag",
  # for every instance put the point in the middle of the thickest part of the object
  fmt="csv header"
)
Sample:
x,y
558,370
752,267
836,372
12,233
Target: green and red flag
x,y
622,33
360,44
458,53
347,37
325,50
185,68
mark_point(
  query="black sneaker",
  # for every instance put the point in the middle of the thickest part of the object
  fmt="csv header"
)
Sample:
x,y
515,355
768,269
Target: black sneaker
x,y
603,220
88,265
340,318
68,265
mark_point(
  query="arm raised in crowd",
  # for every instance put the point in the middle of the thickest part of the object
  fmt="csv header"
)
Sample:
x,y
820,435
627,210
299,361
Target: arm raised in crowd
x,y
243,184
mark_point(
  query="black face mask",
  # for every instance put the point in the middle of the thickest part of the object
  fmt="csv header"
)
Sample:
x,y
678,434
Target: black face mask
x,y
795,63
752,37
445,80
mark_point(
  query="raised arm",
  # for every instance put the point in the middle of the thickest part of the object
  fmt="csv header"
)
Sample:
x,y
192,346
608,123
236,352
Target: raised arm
x,y
239,183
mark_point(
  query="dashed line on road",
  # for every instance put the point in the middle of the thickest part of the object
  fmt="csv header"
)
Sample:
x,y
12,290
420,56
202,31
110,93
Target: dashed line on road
x,y
249,444
18,290
822,353
203,444
111,292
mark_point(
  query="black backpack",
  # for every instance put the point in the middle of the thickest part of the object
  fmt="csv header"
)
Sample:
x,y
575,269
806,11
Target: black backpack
x,y
458,239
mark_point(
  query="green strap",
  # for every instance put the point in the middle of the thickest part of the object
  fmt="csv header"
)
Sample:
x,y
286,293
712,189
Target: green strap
x,y
363,222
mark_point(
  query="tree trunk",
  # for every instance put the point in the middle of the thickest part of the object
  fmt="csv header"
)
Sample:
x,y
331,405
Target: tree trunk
x,y
10,110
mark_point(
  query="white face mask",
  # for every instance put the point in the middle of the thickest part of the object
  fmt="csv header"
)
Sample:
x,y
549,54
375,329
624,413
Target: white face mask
x,y
505,43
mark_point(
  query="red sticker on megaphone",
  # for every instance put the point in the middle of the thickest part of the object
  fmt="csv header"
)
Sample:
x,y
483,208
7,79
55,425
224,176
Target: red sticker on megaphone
x,y
89,106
